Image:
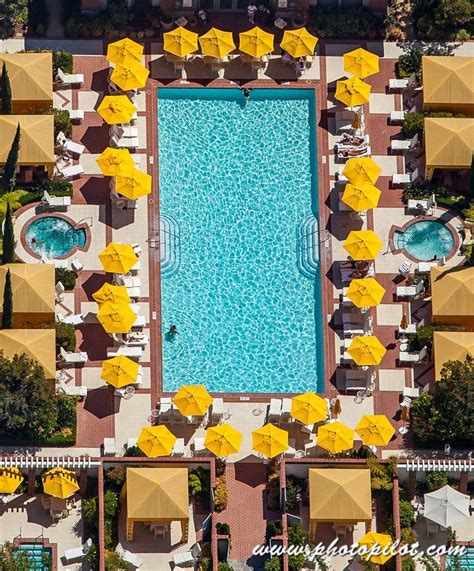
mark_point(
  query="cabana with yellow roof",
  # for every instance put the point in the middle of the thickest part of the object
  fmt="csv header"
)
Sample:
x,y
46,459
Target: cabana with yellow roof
x,y
451,346
448,144
33,293
341,496
452,296
36,143
156,495
448,84
31,81
36,344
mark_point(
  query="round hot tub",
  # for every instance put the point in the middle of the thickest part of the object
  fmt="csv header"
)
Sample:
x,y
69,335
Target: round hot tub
x,y
425,240
54,237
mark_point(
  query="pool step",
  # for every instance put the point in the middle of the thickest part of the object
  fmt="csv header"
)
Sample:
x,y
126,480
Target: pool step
x,y
307,247
170,246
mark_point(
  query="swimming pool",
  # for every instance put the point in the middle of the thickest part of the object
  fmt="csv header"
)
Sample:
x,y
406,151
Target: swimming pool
x,y
239,240
39,557
53,237
466,561
425,239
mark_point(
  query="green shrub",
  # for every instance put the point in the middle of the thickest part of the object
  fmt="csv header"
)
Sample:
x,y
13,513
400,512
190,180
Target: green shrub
x,y
410,62
62,122
38,17
413,124
110,504
62,60
296,535
108,534
220,497
114,562
114,478
205,564
222,528
66,277
90,515
67,405
424,334
360,22
65,335
296,562
436,480
224,566
134,451
407,513
274,528
293,492
274,564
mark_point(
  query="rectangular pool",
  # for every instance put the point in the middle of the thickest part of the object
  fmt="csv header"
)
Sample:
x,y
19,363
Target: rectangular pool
x,y
240,240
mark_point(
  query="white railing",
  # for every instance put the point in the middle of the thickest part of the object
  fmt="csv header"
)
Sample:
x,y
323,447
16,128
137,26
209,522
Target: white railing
x,y
48,462
445,465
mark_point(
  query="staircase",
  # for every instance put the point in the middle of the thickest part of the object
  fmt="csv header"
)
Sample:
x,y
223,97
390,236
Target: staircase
x,y
307,247
170,251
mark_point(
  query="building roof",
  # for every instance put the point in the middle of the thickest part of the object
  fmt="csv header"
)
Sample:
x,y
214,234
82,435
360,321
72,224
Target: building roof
x,y
449,143
340,494
37,138
155,494
32,285
451,346
37,344
452,292
30,75
448,80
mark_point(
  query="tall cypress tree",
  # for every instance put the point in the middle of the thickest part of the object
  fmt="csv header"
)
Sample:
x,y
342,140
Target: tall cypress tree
x,y
8,254
6,92
7,315
9,170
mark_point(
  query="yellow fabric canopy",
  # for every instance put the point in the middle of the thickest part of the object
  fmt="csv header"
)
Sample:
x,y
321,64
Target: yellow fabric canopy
x,y
60,483
448,143
130,76
309,408
180,42
115,162
116,317
156,441
363,244
223,440
120,371
361,197
362,170
113,293
10,479
118,258
270,440
365,292
451,346
352,92
36,139
216,43
123,51
375,430
37,344
256,42
31,81
192,400
298,43
366,350
361,63
134,185
448,84
335,437
33,292
116,109
382,540
452,295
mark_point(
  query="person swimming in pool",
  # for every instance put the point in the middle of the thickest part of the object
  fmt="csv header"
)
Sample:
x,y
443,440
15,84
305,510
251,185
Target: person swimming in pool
x,y
173,330
246,92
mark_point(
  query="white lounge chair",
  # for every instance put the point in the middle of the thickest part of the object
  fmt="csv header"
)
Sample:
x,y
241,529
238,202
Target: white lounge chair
x,y
80,391
71,357
75,319
69,146
178,449
124,142
397,116
188,557
274,410
217,411
410,291
403,144
55,201
129,557
413,358
70,171
409,330
59,290
401,84
405,178
109,447
76,266
198,445
411,392
76,115
422,206
132,352
124,131
69,78
77,552
405,268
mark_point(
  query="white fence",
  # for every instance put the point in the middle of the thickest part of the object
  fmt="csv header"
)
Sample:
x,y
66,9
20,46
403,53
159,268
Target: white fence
x,y
48,462
438,465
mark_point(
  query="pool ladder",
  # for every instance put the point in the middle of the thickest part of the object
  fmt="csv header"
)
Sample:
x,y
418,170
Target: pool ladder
x,y
170,246
307,247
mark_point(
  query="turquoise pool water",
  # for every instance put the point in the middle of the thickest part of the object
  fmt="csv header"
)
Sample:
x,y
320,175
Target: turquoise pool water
x,y
39,557
425,239
53,237
239,240
466,560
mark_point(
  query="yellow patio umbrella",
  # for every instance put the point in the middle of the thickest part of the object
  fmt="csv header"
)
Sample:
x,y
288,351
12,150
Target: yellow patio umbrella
x,y
308,408
365,292
366,350
10,479
156,441
134,185
116,109
123,51
60,483
113,293
118,258
361,170
131,76
382,540
180,42
352,91
115,161
361,197
216,43
256,42
116,317
361,63
363,244
335,437
223,440
270,440
375,430
298,43
192,400
120,371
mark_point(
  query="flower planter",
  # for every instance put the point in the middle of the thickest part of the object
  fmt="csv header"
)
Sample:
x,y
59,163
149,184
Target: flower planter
x,y
167,22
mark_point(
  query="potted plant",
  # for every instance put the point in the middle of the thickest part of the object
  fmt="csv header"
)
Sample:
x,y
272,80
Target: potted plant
x,y
167,21
192,21
298,20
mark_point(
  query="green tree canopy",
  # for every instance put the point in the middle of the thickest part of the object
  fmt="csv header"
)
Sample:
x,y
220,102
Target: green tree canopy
x,y
8,254
9,170
7,314
6,92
